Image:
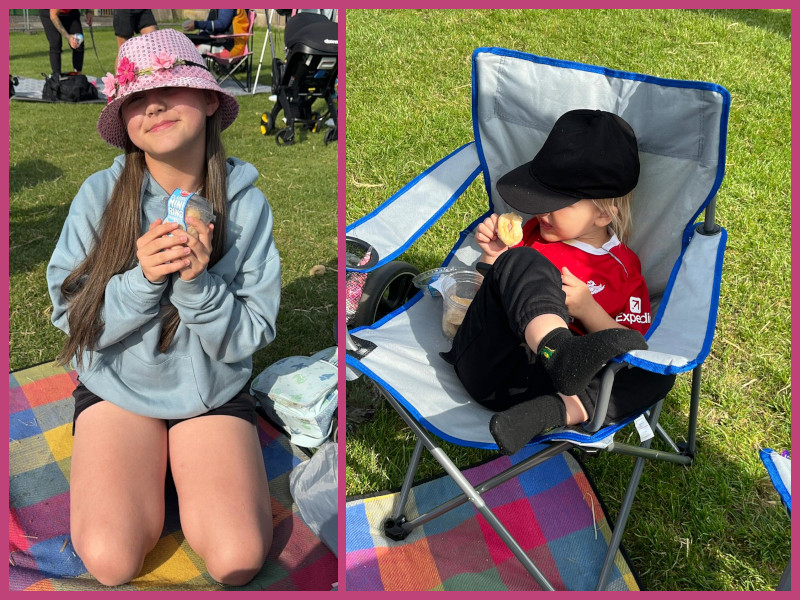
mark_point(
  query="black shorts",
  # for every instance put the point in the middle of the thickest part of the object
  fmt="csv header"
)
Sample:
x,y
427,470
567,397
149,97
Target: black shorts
x,y
129,22
242,405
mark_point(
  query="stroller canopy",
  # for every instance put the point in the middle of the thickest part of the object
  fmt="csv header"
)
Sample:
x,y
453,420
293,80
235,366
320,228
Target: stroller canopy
x,y
319,34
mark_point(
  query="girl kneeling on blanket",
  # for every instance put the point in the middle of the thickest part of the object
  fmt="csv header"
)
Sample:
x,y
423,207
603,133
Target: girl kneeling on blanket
x,y
568,297
162,324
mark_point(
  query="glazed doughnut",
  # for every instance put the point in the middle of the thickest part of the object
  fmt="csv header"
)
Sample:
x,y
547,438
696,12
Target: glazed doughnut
x,y
509,228
192,211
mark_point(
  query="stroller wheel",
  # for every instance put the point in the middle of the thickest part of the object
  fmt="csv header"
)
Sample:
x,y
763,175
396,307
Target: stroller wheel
x,y
285,137
331,136
386,289
267,124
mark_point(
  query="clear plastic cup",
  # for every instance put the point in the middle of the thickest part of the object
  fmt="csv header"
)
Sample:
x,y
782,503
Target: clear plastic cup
x,y
458,291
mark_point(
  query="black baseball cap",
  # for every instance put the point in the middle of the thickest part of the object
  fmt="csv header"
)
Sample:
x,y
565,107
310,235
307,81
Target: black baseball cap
x,y
589,154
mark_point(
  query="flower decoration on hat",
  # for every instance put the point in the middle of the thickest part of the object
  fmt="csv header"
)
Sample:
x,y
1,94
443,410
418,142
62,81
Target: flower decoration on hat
x,y
127,72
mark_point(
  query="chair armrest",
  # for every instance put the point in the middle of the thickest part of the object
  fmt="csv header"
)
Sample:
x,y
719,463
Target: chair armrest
x,y
397,223
680,336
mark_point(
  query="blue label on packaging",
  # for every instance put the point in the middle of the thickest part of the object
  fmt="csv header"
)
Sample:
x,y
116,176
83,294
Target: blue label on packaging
x,y
176,207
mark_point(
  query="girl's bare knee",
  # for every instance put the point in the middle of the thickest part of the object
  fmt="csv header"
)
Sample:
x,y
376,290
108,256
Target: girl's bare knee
x,y
109,562
233,562
109,558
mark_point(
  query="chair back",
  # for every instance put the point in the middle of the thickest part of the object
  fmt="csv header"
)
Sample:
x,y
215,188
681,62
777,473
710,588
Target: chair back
x,y
681,129
241,44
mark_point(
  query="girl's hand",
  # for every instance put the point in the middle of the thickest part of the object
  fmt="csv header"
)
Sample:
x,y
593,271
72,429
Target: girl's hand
x,y
579,298
159,254
200,249
486,236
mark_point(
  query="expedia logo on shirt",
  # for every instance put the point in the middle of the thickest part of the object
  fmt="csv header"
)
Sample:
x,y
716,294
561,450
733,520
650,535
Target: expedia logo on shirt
x,y
634,314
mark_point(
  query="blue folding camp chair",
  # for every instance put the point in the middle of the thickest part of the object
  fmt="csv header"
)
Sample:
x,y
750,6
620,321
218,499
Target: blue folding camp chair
x,y
681,129
779,468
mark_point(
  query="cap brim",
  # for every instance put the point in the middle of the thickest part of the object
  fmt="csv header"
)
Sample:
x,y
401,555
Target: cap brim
x,y
523,192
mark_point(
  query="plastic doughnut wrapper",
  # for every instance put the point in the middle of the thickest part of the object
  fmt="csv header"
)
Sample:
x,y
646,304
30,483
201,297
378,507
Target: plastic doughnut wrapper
x,y
181,204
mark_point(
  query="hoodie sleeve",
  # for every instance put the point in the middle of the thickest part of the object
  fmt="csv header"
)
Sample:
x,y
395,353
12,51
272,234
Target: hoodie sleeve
x,y
130,299
233,320
220,24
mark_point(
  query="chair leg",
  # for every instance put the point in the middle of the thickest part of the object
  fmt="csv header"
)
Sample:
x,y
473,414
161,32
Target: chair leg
x,y
625,509
400,506
249,69
693,406
467,488
785,584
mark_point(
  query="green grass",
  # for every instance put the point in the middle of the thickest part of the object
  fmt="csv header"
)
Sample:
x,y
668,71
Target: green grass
x,y
719,524
54,147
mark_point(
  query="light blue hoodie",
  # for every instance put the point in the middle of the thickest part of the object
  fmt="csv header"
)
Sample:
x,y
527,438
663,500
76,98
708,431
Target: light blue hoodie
x,y
227,312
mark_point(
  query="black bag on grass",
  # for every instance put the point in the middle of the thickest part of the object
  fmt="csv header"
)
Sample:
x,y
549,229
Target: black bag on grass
x,y
68,88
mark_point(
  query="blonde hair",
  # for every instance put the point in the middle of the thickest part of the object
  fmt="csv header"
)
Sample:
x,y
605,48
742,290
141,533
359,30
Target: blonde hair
x,y
619,209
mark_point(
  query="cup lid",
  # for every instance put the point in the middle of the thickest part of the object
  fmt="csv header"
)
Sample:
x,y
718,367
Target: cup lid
x,y
424,281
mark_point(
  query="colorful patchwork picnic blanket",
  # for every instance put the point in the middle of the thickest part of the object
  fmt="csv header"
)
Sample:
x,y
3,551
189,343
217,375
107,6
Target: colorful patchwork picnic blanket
x,y
41,556
551,510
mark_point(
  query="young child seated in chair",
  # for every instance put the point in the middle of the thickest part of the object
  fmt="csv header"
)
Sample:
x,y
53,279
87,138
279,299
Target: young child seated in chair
x,y
232,24
569,296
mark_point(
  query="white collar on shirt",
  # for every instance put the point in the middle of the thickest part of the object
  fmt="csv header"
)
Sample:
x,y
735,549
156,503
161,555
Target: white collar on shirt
x,y
604,249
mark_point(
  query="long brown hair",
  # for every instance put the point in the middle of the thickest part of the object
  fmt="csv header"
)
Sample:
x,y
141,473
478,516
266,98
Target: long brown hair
x,y
115,250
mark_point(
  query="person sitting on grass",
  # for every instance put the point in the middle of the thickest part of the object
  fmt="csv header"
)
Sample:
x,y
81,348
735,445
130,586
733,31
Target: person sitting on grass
x,y
231,22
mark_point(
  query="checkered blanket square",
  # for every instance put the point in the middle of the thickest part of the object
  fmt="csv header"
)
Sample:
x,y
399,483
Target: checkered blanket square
x,y
551,510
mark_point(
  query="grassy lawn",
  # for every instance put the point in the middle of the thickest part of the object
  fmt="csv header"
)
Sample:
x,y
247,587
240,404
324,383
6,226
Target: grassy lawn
x,y
718,525
54,147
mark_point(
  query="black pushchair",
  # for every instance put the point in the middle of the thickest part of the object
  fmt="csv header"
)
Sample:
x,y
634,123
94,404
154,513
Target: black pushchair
x,y
309,72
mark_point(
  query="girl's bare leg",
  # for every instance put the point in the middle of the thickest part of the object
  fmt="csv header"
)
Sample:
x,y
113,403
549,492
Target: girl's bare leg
x,y
119,462
225,508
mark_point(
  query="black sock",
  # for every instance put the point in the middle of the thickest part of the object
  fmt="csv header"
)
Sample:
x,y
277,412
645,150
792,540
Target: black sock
x,y
572,360
516,426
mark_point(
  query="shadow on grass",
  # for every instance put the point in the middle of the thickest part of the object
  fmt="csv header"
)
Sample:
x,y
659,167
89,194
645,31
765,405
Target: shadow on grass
x,y
40,54
717,512
770,20
29,173
306,318
687,538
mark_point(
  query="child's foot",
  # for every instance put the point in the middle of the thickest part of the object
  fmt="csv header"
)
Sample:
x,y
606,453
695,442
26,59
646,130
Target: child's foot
x,y
516,426
572,360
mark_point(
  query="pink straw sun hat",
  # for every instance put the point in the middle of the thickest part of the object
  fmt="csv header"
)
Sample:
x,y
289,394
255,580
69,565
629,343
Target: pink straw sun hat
x,y
164,58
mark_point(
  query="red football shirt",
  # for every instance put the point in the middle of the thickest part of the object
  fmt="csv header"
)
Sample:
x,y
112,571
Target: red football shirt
x,y
613,274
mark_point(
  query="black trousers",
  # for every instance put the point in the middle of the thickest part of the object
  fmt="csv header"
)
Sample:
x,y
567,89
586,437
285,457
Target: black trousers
x,y
128,23
72,23
493,361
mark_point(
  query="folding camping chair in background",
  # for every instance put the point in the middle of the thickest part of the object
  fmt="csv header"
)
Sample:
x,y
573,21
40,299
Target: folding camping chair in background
x,y
225,66
681,128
